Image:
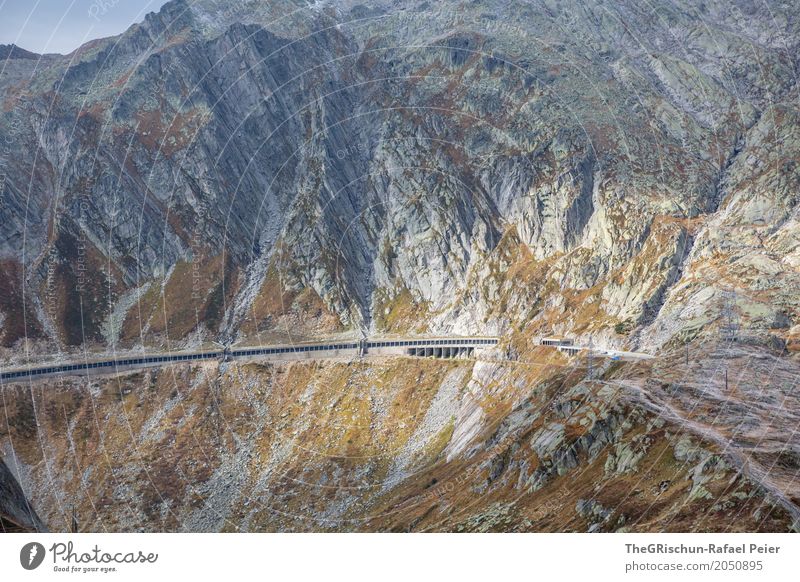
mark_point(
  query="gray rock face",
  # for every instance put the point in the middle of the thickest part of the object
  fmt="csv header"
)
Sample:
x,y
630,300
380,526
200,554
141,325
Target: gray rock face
x,y
16,513
375,154
270,169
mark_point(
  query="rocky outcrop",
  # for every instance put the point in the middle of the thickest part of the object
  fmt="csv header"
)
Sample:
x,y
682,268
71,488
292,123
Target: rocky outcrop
x,y
394,444
16,513
377,163
264,172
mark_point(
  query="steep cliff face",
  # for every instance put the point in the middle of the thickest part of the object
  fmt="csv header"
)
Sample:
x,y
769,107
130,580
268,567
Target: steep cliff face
x,y
279,169
363,158
16,513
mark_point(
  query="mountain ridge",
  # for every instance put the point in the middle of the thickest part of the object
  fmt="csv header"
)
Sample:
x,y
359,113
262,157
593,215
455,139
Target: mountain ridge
x,y
284,170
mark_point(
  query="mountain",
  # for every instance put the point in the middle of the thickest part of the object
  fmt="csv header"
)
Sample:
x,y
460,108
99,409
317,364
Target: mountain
x,y
284,169
16,513
12,51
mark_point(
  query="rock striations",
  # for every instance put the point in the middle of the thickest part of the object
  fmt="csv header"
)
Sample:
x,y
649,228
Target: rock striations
x,y
265,170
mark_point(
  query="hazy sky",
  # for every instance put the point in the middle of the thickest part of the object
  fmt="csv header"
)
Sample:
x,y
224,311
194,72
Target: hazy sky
x,y
61,26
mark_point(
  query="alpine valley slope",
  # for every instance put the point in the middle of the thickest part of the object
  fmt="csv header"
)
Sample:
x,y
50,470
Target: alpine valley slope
x,y
261,170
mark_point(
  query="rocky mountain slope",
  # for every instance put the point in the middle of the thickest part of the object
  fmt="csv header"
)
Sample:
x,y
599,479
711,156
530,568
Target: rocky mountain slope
x,y
262,170
398,445
16,513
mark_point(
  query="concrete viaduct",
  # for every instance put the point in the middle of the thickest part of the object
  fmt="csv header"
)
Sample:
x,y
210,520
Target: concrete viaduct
x,y
440,347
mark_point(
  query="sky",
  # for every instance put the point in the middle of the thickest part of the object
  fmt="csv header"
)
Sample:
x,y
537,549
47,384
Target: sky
x,y
61,26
